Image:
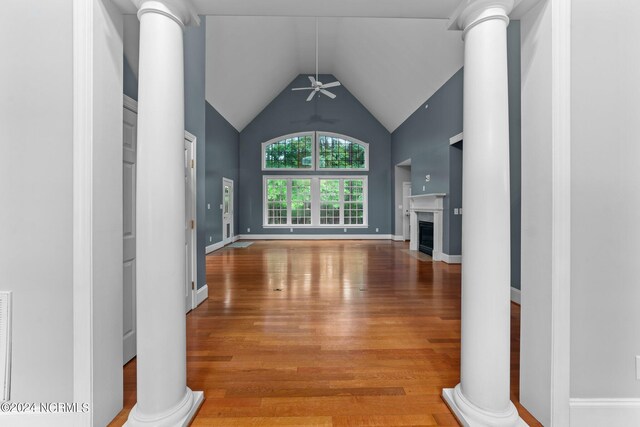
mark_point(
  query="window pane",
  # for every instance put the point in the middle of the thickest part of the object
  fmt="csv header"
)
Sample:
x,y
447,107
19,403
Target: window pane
x,y
329,201
290,153
276,201
300,201
354,201
340,153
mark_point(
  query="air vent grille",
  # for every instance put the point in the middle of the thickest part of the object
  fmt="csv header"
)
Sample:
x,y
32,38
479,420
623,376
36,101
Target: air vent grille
x,y
5,345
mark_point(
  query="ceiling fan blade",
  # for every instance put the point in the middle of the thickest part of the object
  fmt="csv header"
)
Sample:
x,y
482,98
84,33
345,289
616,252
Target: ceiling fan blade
x,y
302,88
329,94
311,95
332,84
312,79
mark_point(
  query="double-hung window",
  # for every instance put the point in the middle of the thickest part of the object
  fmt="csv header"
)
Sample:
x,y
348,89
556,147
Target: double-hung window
x,y
315,201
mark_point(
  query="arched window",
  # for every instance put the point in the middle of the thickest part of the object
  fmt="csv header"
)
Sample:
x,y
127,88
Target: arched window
x,y
291,152
339,152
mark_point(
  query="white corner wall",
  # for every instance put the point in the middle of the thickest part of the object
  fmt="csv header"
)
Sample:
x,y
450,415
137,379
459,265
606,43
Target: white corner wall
x,y
605,211
36,137
107,212
535,338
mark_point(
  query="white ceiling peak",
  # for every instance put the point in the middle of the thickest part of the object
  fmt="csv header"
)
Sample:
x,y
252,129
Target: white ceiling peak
x,y
390,65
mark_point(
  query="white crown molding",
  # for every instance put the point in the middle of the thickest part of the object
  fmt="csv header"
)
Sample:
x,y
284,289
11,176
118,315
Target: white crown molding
x,y
472,12
181,11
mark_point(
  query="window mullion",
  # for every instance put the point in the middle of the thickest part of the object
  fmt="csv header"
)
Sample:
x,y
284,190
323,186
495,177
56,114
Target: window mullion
x,y
289,192
315,201
341,187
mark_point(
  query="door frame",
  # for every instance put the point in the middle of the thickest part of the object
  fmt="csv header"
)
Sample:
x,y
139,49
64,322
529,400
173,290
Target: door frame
x,y
406,224
231,211
194,236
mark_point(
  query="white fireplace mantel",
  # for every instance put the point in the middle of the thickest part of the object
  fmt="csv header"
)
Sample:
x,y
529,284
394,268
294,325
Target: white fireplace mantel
x,y
433,203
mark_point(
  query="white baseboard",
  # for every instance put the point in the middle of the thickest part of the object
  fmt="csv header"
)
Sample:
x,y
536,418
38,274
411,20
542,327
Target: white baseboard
x,y
219,245
604,412
315,236
452,259
515,295
213,247
398,238
202,294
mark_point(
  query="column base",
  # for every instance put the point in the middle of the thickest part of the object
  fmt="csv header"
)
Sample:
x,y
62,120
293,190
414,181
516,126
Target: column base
x,y
469,415
178,417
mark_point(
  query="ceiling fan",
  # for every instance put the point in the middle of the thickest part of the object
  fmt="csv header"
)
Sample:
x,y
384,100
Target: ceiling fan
x,y
318,86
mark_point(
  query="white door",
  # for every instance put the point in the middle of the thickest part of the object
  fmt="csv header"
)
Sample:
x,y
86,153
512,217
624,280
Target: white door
x,y
406,192
129,237
190,223
227,211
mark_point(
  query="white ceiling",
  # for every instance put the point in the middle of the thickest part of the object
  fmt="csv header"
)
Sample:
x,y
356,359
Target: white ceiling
x,y
390,65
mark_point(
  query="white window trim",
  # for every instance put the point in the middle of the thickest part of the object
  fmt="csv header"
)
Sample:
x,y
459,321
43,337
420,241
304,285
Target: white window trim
x,y
263,161
315,201
347,138
315,150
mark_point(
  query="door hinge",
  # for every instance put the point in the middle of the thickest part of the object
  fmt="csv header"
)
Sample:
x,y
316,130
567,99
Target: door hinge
x,y
193,224
193,162
193,285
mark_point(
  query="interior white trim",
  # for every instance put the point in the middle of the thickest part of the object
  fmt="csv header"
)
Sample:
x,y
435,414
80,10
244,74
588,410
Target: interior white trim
x,y
346,138
428,203
604,412
283,137
315,236
130,103
398,238
516,295
561,212
214,247
455,139
202,294
83,58
452,259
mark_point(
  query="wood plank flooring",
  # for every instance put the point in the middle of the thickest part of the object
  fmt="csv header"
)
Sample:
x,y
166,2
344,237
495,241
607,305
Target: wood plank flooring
x,y
326,333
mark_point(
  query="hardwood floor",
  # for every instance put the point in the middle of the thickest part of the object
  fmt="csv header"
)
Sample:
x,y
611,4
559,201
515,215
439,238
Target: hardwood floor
x,y
326,333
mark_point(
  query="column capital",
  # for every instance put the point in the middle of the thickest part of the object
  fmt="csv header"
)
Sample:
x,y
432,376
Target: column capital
x,y
181,11
472,12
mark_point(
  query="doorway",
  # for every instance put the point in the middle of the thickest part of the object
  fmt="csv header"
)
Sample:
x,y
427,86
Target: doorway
x,y
129,160
227,211
402,188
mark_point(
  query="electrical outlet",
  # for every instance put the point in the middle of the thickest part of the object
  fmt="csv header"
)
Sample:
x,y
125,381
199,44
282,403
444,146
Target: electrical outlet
x,y
248,230
221,206
424,187
400,207
377,229
345,230
208,205
210,239
291,230
460,211
455,211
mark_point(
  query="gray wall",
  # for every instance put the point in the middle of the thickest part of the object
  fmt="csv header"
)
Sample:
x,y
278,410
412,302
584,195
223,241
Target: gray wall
x,y
289,113
222,161
605,201
195,122
424,138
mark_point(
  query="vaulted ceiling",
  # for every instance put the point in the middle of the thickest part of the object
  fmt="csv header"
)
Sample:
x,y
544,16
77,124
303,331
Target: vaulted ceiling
x,y
391,65
391,54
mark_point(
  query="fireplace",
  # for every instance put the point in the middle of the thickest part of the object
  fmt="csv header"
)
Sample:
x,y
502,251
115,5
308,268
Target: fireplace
x,y
425,240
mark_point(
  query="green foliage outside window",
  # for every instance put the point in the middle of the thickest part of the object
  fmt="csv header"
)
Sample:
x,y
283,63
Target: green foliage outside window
x,y
339,153
290,153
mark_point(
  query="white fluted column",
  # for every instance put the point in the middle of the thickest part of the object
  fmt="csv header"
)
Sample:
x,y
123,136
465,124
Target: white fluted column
x,y
163,396
483,396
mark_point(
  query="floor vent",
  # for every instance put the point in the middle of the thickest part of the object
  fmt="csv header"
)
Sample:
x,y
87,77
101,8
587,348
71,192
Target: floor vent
x,y
5,346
